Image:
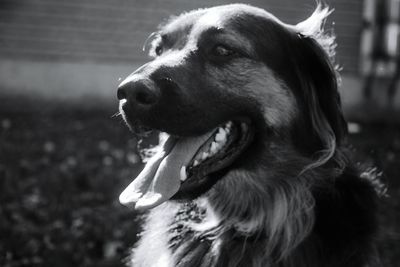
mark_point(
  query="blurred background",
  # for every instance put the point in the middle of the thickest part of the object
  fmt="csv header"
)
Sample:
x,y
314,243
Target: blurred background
x,y
65,156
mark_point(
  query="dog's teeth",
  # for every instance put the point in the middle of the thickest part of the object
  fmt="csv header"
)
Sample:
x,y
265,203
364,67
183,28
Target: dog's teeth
x,y
221,135
228,127
214,148
220,140
183,173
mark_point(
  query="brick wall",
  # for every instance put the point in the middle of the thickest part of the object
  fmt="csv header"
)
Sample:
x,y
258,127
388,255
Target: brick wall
x,y
115,30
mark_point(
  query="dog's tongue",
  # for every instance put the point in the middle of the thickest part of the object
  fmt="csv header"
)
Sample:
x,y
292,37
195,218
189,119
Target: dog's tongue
x,y
160,178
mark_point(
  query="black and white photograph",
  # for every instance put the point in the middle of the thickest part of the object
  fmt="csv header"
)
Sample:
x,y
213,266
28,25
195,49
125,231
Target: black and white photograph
x,y
199,133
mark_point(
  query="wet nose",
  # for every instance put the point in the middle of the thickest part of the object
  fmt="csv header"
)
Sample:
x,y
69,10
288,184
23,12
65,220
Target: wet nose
x,y
138,93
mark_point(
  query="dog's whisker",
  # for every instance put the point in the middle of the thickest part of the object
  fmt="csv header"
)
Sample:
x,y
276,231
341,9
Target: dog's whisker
x,y
118,113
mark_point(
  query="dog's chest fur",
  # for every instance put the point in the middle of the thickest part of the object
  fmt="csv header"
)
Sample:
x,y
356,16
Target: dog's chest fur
x,y
177,235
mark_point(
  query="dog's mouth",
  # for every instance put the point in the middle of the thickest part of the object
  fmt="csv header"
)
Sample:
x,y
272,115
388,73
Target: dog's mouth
x,y
183,165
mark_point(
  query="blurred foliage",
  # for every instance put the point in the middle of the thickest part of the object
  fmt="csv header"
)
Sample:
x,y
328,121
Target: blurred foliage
x,y
61,171
62,168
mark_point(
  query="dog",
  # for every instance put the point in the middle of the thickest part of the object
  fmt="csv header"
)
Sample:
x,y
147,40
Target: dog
x,y
252,167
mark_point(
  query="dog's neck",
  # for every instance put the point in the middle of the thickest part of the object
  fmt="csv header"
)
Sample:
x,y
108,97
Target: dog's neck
x,y
190,234
196,234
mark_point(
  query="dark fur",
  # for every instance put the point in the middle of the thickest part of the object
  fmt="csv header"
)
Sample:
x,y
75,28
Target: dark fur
x,y
293,198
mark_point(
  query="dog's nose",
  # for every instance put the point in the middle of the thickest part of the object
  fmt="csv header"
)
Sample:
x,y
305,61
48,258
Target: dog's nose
x,y
138,92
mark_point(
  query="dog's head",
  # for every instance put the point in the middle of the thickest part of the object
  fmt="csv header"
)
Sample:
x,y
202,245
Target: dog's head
x,y
244,99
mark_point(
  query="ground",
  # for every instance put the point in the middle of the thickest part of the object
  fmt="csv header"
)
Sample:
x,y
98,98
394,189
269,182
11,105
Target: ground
x,y
62,167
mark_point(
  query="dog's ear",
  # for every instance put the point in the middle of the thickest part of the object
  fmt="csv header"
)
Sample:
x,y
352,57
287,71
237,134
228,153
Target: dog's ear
x,y
319,81
313,27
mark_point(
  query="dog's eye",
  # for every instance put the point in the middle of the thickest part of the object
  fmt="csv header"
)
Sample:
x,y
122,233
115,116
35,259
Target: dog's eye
x,y
222,51
159,50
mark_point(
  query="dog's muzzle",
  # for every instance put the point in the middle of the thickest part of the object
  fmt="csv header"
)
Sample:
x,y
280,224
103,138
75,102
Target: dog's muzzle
x,y
193,153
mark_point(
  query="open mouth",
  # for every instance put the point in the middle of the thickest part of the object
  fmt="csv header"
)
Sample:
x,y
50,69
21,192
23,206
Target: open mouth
x,y
184,164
